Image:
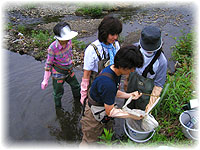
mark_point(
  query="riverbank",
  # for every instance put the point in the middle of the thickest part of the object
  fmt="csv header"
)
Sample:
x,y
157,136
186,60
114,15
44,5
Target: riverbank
x,y
28,25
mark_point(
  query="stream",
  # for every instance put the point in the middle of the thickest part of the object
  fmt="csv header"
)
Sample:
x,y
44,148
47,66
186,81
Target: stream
x,y
30,113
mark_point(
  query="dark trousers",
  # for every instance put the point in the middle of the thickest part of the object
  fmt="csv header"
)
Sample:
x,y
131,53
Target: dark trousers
x,y
58,89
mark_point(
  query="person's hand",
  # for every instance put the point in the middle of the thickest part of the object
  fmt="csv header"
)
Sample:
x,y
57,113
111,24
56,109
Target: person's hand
x,y
136,95
44,84
135,117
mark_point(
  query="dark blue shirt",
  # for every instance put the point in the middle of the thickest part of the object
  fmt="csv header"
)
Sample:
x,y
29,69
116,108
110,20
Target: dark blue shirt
x,y
104,89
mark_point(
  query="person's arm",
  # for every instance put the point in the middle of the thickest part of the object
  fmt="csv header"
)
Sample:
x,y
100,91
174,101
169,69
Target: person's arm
x,y
108,95
121,94
159,81
88,65
161,73
84,84
86,74
49,61
111,111
156,93
48,66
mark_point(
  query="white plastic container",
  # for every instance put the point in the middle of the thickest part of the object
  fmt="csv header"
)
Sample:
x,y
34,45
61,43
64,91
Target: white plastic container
x,y
184,118
135,134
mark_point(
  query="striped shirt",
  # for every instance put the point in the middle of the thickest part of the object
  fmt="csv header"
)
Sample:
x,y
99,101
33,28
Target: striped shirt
x,y
59,56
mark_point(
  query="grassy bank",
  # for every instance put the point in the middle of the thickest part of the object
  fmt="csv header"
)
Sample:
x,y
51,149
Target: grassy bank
x,y
177,92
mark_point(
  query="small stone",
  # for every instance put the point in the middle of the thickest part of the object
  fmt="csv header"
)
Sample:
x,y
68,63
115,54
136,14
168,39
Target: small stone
x,y
84,31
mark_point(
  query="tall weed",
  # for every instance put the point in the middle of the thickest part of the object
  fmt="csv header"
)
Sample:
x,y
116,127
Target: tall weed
x,y
179,91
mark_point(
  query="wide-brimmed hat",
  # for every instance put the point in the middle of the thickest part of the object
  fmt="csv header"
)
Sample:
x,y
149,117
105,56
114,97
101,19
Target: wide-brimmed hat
x,y
66,34
150,39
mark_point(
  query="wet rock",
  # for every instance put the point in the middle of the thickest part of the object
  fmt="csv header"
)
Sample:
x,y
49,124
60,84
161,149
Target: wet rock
x,y
17,40
84,31
36,49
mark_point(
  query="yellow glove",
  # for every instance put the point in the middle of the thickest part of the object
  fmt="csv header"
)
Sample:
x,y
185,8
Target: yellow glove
x,y
155,94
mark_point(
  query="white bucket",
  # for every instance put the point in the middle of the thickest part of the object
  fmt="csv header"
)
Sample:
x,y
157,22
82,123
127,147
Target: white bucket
x,y
134,134
184,118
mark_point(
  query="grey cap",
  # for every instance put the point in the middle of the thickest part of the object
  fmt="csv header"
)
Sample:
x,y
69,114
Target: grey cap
x,y
150,39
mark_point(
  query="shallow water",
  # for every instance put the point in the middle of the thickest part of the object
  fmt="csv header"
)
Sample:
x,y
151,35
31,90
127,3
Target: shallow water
x,y
31,113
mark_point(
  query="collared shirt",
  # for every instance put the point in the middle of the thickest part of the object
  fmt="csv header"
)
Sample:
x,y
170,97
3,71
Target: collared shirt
x,y
59,56
90,57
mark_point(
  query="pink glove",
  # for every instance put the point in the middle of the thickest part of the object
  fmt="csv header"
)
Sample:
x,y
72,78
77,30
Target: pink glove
x,y
84,88
44,83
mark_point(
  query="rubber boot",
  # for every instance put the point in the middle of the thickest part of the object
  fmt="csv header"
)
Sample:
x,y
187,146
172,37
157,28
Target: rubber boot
x,y
58,91
75,87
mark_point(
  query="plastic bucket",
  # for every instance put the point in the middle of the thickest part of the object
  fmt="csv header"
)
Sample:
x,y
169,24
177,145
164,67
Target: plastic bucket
x,y
134,134
185,118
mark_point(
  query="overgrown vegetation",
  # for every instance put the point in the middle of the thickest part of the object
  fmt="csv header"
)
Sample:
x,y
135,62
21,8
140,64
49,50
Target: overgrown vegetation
x,y
36,42
90,11
42,38
177,92
93,10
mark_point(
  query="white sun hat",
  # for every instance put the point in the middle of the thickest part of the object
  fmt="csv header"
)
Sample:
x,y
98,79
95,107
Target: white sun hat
x,y
66,34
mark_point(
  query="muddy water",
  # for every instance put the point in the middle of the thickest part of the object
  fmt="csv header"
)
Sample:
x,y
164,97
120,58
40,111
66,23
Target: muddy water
x,y
31,113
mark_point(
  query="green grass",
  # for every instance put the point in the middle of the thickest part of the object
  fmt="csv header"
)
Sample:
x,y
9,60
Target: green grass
x,y
90,10
178,93
78,45
42,38
106,137
94,10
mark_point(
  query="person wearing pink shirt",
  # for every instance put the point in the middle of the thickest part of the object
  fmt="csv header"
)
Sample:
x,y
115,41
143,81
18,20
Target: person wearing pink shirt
x,y
59,64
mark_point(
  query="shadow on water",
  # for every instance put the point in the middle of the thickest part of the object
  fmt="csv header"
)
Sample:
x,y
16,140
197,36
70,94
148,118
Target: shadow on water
x,y
70,129
31,113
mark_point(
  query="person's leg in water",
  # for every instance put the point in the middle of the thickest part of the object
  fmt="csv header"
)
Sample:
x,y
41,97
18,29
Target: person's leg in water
x,y
58,91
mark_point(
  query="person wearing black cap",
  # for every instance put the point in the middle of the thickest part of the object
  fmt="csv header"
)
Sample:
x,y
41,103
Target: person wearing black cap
x,y
151,78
